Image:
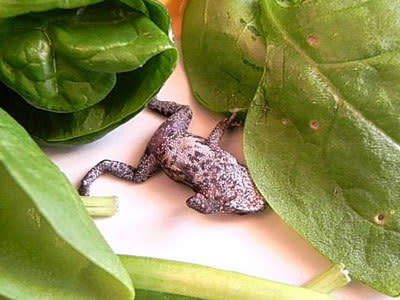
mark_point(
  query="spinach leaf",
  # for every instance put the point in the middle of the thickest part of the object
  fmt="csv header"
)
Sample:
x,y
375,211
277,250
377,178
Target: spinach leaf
x,y
224,51
49,246
110,61
131,93
158,14
66,62
321,138
46,81
18,7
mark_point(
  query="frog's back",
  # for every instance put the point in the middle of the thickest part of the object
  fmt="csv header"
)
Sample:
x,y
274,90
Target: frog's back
x,y
185,159
210,170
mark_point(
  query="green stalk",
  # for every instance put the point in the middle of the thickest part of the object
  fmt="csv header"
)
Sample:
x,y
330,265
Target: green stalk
x,y
100,206
175,278
332,279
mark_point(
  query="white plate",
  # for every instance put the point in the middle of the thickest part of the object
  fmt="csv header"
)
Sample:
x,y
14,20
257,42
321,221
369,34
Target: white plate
x,y
154,221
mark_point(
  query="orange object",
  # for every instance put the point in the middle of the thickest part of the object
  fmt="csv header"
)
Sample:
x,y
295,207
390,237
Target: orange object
x,y
176,9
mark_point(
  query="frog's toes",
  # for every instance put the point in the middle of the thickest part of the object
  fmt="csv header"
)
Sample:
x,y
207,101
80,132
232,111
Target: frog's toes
x,y
235,123
203,205
84,189
248,207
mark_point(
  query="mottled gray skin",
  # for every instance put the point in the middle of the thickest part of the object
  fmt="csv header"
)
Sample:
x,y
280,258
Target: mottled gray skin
x,y
221,183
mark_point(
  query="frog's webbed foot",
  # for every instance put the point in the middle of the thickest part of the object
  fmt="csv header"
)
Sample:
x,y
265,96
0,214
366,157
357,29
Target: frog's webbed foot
x,y
147,166
219,130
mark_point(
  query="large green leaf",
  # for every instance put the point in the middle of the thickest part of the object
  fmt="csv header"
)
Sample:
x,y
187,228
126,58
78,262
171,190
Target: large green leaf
x,y
158,279
49,246
67,61
224,52
48,82
103,39
130,95
10,8
321,137
109,38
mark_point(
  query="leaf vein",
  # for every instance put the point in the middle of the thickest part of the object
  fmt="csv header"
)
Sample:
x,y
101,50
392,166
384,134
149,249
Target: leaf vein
x,y
314,65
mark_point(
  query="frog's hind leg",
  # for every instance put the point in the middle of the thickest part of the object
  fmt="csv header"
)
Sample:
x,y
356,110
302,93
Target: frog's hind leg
x,y
202,204
219,130
116,168
176,113
147,166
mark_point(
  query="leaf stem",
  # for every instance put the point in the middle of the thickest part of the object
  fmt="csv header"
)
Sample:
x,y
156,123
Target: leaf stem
x,y
100,206
176,278
332,279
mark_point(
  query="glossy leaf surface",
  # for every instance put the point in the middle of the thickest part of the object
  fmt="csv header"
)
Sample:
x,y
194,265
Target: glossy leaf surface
x,y
224,52
49,246
67,61
321,138
110,60
17,7
130,95
47,81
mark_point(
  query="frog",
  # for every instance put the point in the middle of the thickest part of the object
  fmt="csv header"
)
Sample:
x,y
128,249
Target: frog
x,y
221,184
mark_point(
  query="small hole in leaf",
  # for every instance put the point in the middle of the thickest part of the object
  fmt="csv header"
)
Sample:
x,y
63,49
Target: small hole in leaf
x,y
380,219
285,122
314,125
336,98
312,40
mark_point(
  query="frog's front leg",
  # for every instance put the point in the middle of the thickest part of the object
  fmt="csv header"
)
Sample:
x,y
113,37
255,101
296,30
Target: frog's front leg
x,y
165,108
178,114
147,166
218,132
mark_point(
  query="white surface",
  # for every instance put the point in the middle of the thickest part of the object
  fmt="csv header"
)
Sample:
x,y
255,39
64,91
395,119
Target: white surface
x,y
154,221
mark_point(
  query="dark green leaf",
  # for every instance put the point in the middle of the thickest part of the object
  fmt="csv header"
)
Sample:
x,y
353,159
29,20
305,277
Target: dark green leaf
x,y
49,246
224,52
130,95
98,41
106,38
137,5
18,7
66,61
324,149
159,15
28,66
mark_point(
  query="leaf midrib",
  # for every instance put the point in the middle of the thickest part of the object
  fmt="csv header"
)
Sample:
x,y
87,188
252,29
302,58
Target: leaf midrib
x,y
332,90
